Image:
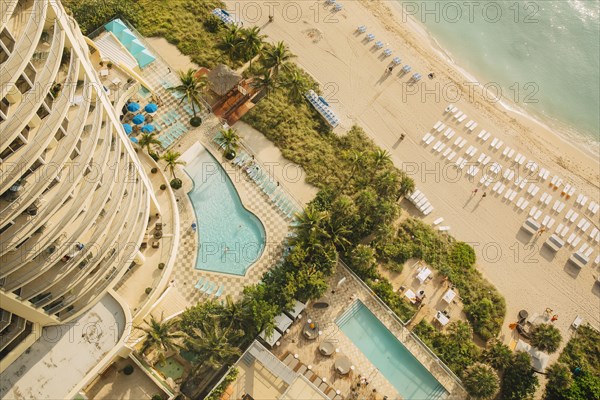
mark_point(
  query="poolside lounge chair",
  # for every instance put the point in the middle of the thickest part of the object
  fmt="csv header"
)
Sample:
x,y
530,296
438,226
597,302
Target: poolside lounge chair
x,y
200,283
577,322
219,291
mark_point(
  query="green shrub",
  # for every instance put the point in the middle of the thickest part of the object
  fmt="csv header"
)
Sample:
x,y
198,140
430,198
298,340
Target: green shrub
x,y
128,369
176,183
148,290
519,381
219,390
161,265
576,375
156,397
481,381
545,337
163,187
154,156
154,170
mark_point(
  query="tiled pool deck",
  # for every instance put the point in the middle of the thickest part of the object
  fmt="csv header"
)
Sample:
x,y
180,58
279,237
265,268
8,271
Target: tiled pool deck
x,y
308,353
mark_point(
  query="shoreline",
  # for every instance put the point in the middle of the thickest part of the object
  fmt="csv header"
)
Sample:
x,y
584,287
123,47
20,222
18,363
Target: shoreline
x,y
561,129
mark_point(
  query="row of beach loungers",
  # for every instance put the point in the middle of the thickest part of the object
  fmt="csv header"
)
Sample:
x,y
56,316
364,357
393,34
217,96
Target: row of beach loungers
x,y
369,37
209,288
509,182
223,15
323,108
268,185
171,134
420,201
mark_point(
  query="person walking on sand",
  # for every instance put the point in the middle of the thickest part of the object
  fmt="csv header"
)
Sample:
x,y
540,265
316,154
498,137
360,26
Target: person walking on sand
x,y
474,192
484,195
554,318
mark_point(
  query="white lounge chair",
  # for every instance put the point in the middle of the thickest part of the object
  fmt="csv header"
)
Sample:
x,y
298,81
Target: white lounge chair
x,y
577,322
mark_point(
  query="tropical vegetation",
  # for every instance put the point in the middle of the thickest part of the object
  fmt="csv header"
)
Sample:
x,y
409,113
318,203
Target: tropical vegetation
x,y
160,337
519,380
190,89
481,381
576,374
545,337
229,142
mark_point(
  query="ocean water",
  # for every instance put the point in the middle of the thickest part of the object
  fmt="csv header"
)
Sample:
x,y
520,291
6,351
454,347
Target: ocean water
x,y
542,56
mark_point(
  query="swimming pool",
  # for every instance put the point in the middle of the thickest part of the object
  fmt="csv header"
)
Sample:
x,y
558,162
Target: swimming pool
x,y
388,354
230,238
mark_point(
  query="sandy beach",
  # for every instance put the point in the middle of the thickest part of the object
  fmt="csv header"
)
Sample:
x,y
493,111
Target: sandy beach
x,y
353,78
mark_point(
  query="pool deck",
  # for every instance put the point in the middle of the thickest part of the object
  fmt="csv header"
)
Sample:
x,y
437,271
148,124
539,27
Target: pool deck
x,y
308,353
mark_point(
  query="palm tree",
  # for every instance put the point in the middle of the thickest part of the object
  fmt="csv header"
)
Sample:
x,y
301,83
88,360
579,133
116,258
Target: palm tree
x,y
161,336
296,84
229,140
380,158
252,44
266,82
356,159
191,88
407,186
277,56
481,381
231,42
171,159
311,224
147,140
215,344
545,337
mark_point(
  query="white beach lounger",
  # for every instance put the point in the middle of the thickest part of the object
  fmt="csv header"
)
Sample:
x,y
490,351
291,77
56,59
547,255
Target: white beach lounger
x,y
505,151
458,115
520,201
597,262
472,128
451,134
457,141
551,223
571,238
510,153
472,170
487,136
451,156
559,228
481,157
441,147
428,210
496,186
487,160
574,217
512,196
462,143
444,228
426,137
501,189
471,122
532,211
577,322
437,125
494,141
498,145
461,119
480,135
508,193
437,144
438,221
447,132
469,150
448,108
430,140
441,127
446,152
593,233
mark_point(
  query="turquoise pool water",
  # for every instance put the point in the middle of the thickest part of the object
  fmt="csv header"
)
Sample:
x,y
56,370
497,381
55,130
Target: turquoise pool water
x,y
411,379
230,237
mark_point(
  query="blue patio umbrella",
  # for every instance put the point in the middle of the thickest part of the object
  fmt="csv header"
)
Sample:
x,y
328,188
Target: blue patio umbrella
x,y
133,107
128,128
151,108
134,140
138,119
148,128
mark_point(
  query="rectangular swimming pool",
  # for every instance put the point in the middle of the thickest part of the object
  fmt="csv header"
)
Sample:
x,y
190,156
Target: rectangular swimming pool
x,y
412,380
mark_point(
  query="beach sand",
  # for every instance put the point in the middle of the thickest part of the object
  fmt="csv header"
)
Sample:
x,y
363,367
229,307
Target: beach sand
x,y
353,79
